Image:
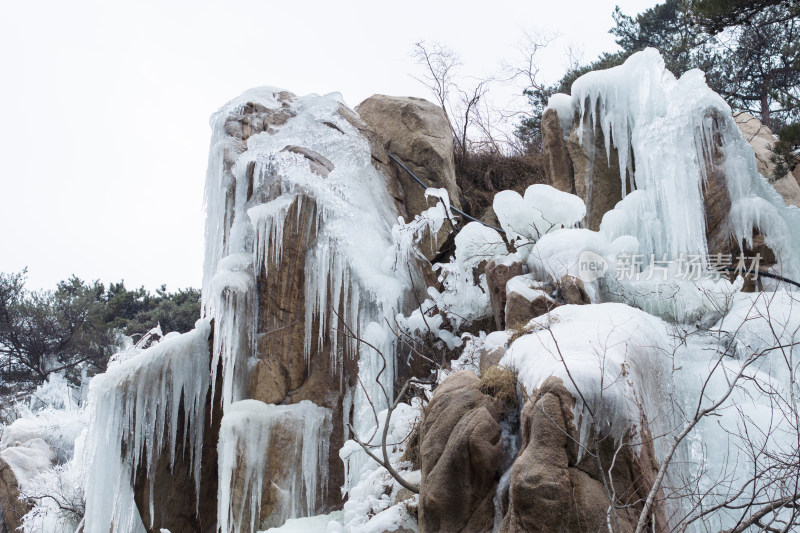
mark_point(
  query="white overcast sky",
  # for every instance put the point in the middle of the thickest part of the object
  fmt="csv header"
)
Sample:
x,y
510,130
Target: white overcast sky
x,y
105,106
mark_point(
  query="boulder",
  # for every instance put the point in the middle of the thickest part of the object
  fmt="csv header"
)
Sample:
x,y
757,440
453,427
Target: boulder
x,y
490,358
521,307
552,489
597,179
558,164
12,509
418,133
572,292
296,361
497,275
761,140
461,450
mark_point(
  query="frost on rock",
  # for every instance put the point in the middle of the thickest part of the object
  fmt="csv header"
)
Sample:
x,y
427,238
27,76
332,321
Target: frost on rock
x,y
609,356
133,410
53,414
28,460
669,134
264,447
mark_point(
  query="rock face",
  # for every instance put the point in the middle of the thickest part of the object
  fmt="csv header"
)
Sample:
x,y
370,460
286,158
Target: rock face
x,y
12,509
291,195
418,133
520,309
597,179
558,164
551,486
551,489
579,168
761,140
572,292
461,450
497,275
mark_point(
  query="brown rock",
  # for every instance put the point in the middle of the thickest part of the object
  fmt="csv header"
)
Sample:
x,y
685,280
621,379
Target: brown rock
x,y
551,490
286,373
520,310
597,180
461,450
12,509
418,133
761,140
319,164
558,165
173,488
490,358
497,275
572,292
716,197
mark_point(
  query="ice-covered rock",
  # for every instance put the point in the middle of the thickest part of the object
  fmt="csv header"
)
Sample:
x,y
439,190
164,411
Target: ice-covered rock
x,y
272,461
19,466
145,409
675,143
302,260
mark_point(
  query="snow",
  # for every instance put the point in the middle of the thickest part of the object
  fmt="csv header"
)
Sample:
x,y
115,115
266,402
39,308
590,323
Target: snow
x,y
52,414
59,428
134,410
466,296
523,286
248,430
754,429
329,523
610,356
543,209
28,460
369,487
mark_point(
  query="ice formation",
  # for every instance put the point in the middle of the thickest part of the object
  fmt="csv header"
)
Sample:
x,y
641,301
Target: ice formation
x,y
248,437
312,164
134,408
250,191
608,355
664,129
624,362
369,506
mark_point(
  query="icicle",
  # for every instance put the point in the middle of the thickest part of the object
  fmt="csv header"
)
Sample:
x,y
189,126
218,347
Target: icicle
x,y
673,128
134,411
234,303
248,428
